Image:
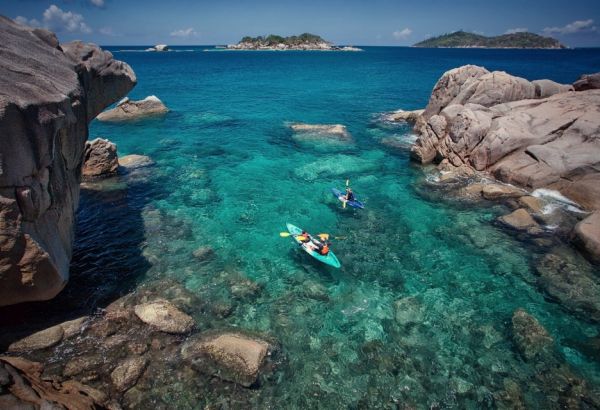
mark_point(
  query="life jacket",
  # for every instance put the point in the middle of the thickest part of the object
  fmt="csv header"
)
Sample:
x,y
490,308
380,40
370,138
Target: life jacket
x,y
325,249
302,238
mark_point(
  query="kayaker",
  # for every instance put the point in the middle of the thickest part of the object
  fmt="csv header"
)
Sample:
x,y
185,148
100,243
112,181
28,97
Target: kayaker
x,y
349,194
324,249
304,237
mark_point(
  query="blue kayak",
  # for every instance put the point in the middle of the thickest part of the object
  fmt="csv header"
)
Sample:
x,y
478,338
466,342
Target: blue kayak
x,y
342,197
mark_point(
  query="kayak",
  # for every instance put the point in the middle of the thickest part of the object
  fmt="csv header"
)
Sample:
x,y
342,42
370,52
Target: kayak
x,y
341,196
329,259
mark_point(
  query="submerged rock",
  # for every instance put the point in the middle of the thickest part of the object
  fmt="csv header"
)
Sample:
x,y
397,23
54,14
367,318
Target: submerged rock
x,y
408,311
99,159
335,133
587,236
532,339
127,373
164,316
48,95
133,110
571,282
134,161
204,253
230,356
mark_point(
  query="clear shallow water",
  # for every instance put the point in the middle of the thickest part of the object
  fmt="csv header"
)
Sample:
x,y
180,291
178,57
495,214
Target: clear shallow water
x,y
230,174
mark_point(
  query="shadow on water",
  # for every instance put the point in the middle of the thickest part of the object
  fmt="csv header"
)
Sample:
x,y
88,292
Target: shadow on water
x,y
107,259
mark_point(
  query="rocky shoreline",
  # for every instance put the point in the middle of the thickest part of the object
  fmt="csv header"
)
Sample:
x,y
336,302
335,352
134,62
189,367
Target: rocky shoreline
x,y
533,135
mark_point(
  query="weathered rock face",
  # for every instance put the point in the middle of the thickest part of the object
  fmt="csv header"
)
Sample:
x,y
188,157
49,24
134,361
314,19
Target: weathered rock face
x,y
502,124
24,388
48,94
587,235
135,110
99,159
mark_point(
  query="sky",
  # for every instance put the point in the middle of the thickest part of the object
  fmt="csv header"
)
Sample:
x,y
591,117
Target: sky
x,y
576,23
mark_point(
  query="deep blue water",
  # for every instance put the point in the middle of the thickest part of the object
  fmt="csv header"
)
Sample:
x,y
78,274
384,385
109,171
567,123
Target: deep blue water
x,y
230,173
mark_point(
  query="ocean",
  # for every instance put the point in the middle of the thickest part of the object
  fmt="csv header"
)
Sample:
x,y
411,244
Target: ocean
x,y
419,314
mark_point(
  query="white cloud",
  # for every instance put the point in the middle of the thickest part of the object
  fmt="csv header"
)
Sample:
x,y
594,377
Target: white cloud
x,y
188,32
97,3
108,31
58,20
516,30
402,34
25,22
55,19
577,26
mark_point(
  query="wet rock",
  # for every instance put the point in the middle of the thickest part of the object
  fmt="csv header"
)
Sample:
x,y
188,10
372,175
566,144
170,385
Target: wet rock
x,y
587,82
29,390
127,373
511,397
113,321
135,110
407,116
587,236
532,339
204,253
496,191
48,95
74,327
531,203
133,161
473,190
571,282
88,365
39,340
521,220
99,159
315,290
164,316
244,288
230,356
408,310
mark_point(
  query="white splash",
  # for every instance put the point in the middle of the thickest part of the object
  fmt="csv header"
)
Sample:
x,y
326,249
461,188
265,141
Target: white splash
x,y
556,200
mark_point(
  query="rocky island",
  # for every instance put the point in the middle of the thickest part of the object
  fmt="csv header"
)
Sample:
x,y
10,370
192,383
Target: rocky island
x,y
462,39
303,42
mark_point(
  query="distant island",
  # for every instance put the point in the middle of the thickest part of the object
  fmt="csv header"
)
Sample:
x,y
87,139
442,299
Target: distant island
x,y
462,39
306,42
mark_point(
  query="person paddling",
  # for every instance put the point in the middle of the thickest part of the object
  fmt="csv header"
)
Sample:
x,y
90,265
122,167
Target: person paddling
x,y
349,194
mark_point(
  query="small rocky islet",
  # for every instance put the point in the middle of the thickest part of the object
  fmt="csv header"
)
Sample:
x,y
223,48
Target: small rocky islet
x,y
162,341
302,42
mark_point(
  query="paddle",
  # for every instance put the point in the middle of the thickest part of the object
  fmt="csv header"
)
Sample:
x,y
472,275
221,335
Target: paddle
x,y
323,236
345,201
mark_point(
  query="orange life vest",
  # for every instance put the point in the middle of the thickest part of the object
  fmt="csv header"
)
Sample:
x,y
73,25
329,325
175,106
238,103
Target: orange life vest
x,y
325,249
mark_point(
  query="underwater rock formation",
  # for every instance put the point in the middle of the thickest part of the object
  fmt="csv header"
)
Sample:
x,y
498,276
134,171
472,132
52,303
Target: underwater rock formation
x,y
48,94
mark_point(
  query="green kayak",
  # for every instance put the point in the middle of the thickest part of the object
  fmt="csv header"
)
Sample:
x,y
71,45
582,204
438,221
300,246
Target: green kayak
x,y
330,259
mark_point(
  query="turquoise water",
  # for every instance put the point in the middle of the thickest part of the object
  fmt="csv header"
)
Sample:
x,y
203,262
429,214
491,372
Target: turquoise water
x,y
230,173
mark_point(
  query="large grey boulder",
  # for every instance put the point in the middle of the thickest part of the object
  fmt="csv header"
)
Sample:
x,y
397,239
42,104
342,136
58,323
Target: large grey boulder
x,y
162,315
48,94
135,110
497,123
587,82
587,235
